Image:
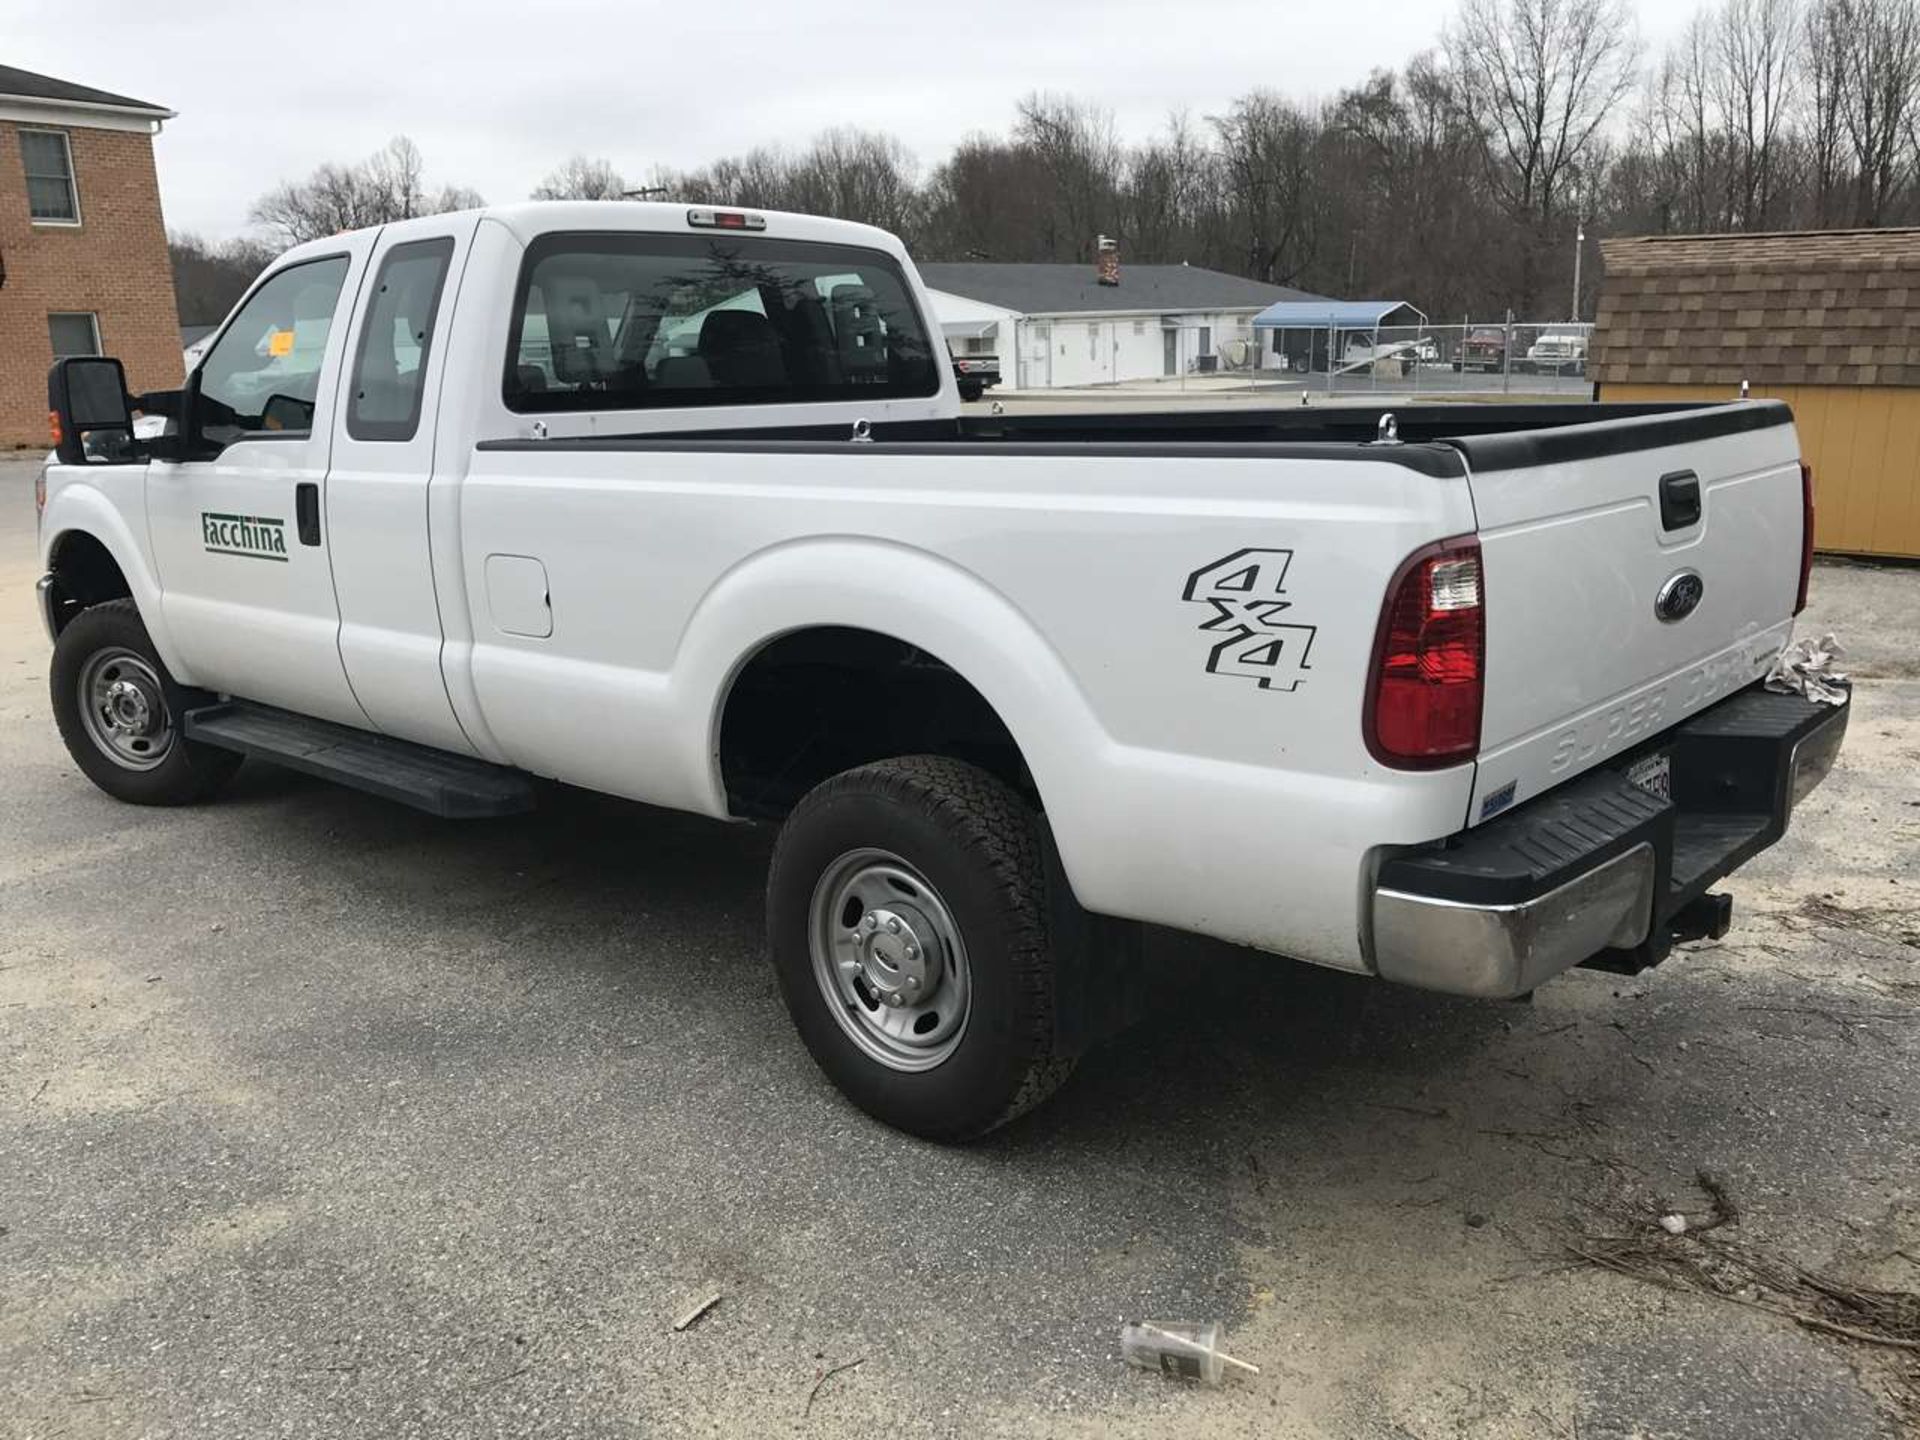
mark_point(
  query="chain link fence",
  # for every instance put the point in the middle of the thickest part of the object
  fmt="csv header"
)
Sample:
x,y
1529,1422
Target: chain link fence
x,y
1473,359
1546,358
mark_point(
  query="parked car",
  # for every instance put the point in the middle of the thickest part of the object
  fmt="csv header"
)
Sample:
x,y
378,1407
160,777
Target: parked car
x,y
1484,349
1413,349
1458,700
976,374
1560,351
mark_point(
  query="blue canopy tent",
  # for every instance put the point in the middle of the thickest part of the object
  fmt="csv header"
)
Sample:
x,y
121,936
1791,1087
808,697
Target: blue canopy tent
x,y
1309,333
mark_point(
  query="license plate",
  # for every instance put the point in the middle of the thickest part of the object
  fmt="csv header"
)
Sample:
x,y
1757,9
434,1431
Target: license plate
x,y
1653,774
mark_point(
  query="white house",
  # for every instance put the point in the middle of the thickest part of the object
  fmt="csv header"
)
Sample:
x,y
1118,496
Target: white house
x,y
1063,325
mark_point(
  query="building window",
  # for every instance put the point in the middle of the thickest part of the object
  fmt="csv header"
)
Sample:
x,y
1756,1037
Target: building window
x,y
75,332
52,198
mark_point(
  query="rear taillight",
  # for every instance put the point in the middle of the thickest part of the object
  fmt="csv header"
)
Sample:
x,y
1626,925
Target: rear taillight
x,y
1429,660
1806,535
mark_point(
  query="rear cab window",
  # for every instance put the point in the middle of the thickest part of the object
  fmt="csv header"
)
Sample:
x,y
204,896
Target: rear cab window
x,y
395,340
640,321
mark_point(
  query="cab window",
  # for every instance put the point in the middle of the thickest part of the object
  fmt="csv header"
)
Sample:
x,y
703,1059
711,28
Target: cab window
x,y
395,339
262,375
625,322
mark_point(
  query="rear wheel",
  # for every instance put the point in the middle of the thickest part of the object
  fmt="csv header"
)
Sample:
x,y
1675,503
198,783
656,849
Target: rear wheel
x,y
120,712
907,910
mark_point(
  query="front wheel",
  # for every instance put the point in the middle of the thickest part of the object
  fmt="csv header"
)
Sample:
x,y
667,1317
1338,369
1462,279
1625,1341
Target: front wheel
x,y
907,912
120,712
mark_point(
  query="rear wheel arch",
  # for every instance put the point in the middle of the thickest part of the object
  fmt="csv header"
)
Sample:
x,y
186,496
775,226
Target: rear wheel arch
x,y
819,700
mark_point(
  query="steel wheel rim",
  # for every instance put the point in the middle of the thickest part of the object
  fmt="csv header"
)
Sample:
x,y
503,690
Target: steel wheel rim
x,y
889,960
124,708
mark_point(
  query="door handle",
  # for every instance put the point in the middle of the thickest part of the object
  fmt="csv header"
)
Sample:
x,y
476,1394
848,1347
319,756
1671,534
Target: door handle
x,y
306,511
1679,500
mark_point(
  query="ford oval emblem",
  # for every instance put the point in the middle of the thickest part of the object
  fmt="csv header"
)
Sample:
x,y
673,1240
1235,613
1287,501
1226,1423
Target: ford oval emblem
x,y
1680,596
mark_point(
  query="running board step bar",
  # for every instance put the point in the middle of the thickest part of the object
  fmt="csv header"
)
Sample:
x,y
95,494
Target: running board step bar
x,y
456,787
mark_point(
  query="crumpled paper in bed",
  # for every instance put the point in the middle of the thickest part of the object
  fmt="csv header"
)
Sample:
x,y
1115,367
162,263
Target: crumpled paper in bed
x,y
1805,667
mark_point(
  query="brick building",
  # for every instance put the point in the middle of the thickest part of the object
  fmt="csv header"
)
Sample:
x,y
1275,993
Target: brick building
x,y
83,249
1828,321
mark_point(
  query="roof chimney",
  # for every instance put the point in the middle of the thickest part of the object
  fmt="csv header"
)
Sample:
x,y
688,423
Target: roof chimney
x,y
1107,261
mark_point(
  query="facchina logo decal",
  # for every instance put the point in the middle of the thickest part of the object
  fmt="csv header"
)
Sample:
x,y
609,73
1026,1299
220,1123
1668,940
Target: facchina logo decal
x,y
1251,640
256,537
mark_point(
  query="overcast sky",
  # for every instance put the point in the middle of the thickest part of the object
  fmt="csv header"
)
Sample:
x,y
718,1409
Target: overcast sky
x,y
497,92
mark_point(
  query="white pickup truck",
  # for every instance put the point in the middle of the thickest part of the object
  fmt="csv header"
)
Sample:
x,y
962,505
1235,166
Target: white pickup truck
x,y
679,505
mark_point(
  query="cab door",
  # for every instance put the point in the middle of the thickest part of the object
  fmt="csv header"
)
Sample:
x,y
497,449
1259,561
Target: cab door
x,y
377,484
237,527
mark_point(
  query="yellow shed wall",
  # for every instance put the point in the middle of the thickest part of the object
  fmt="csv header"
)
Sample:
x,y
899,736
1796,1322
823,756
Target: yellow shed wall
x,y
1864,445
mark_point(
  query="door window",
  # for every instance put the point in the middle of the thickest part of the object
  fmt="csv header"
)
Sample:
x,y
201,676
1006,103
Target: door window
x,y
262,375
395,339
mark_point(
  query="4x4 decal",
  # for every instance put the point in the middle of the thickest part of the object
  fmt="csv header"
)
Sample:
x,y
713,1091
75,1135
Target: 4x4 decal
x,y
1250,639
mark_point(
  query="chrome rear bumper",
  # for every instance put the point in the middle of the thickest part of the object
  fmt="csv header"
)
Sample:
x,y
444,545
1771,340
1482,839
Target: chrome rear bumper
x,y
1496,951
1598,871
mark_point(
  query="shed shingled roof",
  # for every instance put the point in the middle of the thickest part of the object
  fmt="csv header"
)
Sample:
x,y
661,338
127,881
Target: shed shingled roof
x,y
1831,307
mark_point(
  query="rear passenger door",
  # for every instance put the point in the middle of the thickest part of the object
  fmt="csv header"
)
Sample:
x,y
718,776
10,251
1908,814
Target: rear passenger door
x,y
383,459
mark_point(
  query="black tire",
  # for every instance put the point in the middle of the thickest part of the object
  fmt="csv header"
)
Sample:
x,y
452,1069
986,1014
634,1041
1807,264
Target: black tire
x,y
982,849
180,772
971,390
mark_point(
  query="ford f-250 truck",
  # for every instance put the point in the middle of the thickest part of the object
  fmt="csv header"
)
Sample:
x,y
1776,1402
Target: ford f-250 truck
x,y
678,505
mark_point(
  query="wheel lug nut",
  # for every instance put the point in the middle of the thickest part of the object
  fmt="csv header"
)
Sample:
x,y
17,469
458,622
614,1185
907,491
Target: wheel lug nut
x,y
893,927
872,921
913,951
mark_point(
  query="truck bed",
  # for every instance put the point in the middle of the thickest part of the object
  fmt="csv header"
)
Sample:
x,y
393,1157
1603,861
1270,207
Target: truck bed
x,y
1432,438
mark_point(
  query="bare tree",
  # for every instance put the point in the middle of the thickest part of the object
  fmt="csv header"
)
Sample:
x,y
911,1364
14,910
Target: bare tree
x,y
1537,80
855,175
1755,44
388,185
1168,186
1267,153
1826,67
209,278
581,178
1880,93
1079,152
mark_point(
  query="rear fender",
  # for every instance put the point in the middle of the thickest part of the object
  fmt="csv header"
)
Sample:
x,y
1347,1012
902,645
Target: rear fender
x,y
909,595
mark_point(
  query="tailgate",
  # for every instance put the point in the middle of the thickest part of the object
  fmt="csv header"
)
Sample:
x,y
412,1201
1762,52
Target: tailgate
x,y
1636,570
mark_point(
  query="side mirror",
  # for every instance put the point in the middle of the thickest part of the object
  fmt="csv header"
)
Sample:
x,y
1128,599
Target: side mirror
x,y
88,404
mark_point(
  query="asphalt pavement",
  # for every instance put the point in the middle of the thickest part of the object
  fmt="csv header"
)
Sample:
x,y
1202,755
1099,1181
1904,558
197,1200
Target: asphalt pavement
x,y
322,1118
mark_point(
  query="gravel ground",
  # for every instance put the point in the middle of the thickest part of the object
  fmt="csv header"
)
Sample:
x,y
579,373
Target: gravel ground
x,y
321,1118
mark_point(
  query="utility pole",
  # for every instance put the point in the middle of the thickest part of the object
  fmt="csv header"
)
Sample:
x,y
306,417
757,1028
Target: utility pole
x,y
1579,245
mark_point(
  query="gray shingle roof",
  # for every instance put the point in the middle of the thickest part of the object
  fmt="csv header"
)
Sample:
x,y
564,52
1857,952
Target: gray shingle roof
x,y
26,85
1067,289
1833,307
